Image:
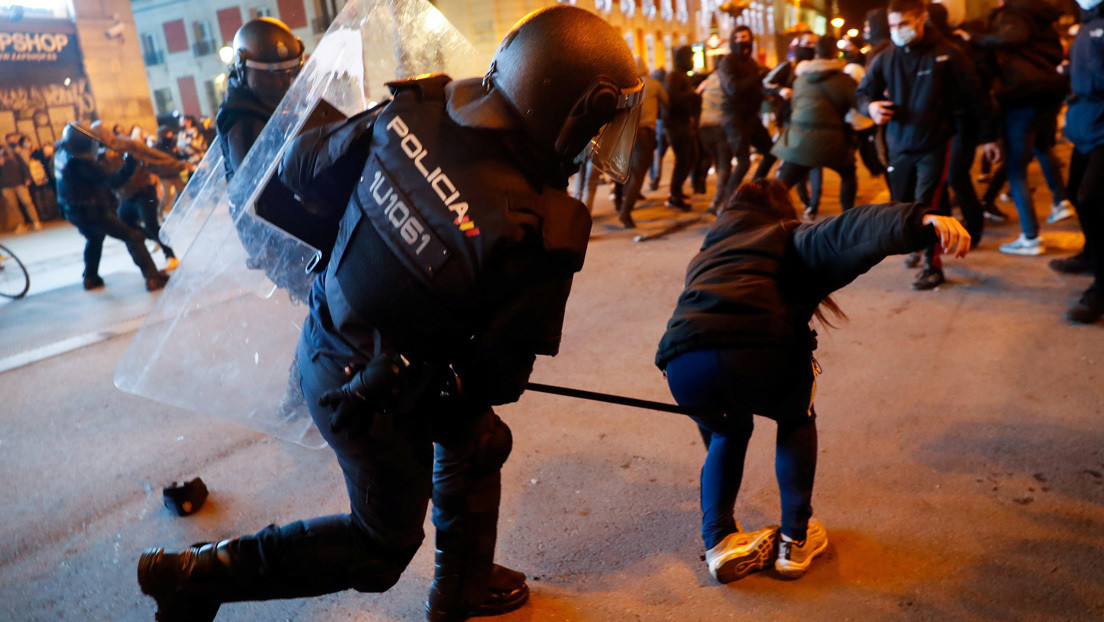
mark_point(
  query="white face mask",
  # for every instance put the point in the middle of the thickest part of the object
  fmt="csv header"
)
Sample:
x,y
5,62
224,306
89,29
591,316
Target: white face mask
x,y
905,35
1089,4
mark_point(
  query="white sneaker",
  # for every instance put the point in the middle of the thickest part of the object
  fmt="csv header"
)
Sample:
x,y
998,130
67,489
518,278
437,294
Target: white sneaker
x,y
1024,246
1060,211
794,558
742,553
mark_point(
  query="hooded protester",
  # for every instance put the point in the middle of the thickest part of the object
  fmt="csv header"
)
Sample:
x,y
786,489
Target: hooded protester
x,y
681,124
819,134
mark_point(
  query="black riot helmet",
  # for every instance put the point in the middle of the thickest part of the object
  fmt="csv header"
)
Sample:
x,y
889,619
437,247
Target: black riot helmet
x,y
76,140
566,78
267,58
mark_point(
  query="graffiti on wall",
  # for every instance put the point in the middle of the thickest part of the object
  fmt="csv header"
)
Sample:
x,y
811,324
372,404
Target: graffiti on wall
x,y
25,101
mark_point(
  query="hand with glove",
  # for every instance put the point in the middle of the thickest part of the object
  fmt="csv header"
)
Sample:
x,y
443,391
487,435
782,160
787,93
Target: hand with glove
x,y
370,387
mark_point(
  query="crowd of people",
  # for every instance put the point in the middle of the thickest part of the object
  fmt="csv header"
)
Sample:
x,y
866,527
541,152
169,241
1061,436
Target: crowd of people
x,y
916,98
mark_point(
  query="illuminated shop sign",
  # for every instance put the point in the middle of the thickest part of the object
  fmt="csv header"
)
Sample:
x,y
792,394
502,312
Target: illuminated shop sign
x,y
39,51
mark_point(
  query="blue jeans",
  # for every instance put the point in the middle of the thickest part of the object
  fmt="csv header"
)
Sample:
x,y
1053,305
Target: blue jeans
x,y
735,384
1023,129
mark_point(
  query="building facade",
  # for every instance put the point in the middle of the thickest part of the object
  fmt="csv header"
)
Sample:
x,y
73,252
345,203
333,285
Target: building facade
x,y
181,40
63,60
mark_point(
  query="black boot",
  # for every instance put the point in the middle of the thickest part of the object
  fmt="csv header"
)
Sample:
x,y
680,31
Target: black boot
x,y
190,585
185,583
451,598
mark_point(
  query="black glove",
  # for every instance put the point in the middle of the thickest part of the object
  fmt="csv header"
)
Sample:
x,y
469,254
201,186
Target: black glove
x,y
372,385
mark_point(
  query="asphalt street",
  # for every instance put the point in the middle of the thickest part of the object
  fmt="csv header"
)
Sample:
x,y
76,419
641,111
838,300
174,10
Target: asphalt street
x,y
961,473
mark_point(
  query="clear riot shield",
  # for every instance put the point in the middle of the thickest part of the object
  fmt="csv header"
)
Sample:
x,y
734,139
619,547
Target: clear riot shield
x,y
221,337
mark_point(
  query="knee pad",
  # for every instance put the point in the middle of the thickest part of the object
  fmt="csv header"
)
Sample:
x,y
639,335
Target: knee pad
x,y
493,444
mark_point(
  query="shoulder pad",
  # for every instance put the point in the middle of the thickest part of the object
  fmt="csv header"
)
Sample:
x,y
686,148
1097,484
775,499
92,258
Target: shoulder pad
x,y
428,87
563,221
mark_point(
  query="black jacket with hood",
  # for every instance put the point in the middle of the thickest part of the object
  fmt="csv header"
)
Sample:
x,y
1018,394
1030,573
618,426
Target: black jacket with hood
x,y
759,276
928,81
1024,53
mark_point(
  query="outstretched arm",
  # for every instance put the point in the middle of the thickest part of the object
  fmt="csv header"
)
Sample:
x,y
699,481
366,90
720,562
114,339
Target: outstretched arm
x,y
842,248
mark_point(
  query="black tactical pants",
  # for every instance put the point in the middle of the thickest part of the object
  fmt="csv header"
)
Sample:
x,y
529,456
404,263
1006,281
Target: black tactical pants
x,y
392,466
95,226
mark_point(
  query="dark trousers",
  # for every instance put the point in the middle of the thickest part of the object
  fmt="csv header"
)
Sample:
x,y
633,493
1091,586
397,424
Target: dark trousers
x,y
792,174
963,152
869,151
140,212
95,226
741,139
736,384
656,170
642,157
1086,192
715,141
393,465
810,194
684,142
919,178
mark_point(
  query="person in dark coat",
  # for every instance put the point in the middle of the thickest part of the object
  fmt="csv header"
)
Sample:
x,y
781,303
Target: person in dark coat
x,y
681,124
1085,128
1025,50
819,134
739,344
914,88
84,192
741,85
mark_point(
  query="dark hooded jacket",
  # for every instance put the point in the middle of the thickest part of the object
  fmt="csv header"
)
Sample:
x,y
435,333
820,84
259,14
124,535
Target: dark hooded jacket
x,y
741,82
1024,52
928,81
1085,117
879,33
818,134
759,276
684,104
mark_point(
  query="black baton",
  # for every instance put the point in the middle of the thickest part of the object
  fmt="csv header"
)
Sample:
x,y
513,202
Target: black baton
x,y
614,399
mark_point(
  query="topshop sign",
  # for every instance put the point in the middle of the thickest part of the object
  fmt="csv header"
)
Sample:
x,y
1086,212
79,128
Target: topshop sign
x,y
36,52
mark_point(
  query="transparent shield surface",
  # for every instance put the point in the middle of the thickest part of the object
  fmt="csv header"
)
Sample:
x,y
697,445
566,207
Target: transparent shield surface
x,y
221,337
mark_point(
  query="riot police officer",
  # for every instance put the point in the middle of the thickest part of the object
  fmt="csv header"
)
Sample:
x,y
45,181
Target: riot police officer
x,y
84,191
450,273
267,58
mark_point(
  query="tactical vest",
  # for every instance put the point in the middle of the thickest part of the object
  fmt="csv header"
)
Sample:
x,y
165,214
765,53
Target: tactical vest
x,y
440,226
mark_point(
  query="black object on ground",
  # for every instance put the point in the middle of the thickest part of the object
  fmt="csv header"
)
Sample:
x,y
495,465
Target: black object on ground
x,y
186,498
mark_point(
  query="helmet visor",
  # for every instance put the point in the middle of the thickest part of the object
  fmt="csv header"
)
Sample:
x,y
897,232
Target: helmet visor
x,y
612,148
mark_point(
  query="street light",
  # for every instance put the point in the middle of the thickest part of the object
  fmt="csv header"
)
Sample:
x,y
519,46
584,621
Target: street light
x,y
838,22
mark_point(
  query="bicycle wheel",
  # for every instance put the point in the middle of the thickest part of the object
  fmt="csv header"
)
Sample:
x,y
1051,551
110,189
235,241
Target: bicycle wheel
x,y
14,280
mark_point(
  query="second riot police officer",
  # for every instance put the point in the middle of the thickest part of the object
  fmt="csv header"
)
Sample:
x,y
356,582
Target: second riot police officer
x,y
451,271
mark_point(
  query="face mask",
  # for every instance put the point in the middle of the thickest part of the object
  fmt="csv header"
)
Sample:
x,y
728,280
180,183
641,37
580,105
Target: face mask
x,y
1089,4
743,48
803,52
903,36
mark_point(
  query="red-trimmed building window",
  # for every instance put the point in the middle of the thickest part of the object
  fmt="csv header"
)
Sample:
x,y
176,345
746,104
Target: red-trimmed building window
x,y
176,38
189,96
292,13
229,21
